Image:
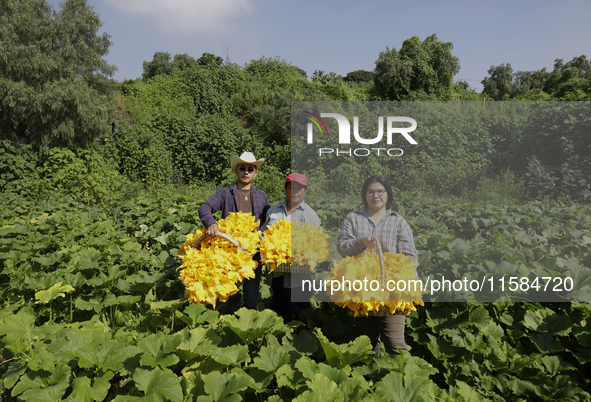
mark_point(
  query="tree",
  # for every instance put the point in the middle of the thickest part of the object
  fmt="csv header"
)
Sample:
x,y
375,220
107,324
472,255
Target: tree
x,y
54,83
567,81
526,81
359,76
326,78
461,84
210,59
162,64
420,70
302,72
570,77
183,61
499,85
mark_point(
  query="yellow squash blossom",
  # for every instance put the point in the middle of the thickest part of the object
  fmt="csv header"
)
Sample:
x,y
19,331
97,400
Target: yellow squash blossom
x,y
276,244
365,268
216,268
286,243
310,245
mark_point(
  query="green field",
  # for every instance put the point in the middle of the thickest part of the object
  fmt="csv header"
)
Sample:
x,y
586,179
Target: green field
x,y
92,310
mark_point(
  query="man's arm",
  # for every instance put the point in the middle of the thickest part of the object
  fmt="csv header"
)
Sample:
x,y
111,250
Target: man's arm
x,y
266,217
260,206
265,209
211,206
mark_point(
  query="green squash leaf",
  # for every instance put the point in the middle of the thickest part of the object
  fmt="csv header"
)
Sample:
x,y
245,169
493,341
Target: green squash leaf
x,y
355,388
83,391
462,392
406,364
305,343
196,314
200,343
158,350
261,379
158,384
251,324
270,359
43,385
13,374
339,356
223,387
57,290
547,321
19,331
231,355
554,365
321,389
546,342
396,387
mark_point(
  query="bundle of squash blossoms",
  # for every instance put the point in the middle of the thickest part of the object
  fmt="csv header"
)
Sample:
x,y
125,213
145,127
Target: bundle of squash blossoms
x,y
216,268
309,244
305,245
276,244
367,302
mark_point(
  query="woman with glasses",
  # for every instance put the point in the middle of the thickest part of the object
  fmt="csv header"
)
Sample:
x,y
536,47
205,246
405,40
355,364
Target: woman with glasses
x,y
357,234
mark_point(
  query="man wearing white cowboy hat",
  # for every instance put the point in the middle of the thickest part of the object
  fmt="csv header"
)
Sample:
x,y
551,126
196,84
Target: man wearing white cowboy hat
x,y
241,197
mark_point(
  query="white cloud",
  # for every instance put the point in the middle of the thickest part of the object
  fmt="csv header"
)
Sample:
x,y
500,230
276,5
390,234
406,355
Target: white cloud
x,y
187,15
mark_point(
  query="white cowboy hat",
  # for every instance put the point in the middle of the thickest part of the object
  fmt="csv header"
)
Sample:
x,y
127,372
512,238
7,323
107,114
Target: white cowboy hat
x,y
247,158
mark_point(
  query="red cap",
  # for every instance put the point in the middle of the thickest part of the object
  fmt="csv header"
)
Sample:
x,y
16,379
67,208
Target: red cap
x,y
298,178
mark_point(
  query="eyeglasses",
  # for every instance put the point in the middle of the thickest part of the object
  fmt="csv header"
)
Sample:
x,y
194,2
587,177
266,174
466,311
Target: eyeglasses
x,y
379,193
246,169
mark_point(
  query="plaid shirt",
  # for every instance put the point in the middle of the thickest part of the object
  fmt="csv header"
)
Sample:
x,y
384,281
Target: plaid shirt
x,y
393,232
226,200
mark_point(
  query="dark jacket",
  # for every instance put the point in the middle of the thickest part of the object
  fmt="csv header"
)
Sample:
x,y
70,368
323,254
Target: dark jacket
x,y
226,200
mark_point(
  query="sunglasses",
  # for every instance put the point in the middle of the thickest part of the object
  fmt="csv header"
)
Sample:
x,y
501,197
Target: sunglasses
x,y
246,169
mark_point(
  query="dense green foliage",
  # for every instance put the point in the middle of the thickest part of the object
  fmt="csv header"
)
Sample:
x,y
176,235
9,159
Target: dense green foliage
x,y
54,89
92,310
87,175
359,76
567,81
186,124
162,64
418,71
542,150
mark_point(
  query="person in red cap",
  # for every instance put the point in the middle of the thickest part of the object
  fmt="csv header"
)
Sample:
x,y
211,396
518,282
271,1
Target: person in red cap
x,y
287,287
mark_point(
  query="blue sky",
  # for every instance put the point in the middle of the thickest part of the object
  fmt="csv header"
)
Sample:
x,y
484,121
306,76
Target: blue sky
x,y
344,36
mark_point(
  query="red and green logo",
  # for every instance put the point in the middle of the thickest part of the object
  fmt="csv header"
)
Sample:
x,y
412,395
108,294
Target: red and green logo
x,y
315,119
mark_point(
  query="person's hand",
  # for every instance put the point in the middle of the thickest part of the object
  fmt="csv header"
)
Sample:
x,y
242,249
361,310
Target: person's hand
x,y
213,230
369,242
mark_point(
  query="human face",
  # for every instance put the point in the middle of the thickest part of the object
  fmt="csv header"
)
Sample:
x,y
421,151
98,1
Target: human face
x,y
295,193
376,197
245,173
